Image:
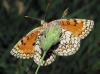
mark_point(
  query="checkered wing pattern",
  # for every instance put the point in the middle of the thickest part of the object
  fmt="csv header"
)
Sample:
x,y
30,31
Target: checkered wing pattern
x,y
69,44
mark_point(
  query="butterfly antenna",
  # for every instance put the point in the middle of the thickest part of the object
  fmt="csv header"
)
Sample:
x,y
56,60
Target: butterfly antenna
x,y
32,17
29,68
46,10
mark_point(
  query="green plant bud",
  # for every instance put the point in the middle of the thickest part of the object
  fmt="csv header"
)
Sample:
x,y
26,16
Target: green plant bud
x,y
51,35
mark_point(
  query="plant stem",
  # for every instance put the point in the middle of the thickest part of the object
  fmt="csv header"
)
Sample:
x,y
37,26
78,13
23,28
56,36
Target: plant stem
x,y
40,62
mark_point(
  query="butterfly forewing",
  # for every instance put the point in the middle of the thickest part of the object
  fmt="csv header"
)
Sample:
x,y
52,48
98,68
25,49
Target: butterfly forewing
x,y
25,47
79,27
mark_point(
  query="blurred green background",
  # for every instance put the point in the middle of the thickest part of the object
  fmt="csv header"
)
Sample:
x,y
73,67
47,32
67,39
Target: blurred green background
x,y
14,26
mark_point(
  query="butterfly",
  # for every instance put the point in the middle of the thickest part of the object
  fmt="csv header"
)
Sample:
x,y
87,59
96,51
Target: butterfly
x,y
72,31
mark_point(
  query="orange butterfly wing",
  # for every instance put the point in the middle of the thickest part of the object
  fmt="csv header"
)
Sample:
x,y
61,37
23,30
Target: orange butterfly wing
x,y
25,47
79,27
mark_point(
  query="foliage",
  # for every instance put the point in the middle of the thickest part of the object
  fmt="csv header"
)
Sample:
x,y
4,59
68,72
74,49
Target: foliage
x,y
14,26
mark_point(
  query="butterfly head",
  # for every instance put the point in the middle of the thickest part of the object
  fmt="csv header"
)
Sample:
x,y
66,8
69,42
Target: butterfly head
x,y
43,22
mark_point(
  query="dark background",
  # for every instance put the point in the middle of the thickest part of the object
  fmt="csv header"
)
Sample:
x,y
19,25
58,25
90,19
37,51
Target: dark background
x,y
14,26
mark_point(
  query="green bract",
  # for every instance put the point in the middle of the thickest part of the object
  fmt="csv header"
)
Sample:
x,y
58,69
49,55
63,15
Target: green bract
x,y
50,36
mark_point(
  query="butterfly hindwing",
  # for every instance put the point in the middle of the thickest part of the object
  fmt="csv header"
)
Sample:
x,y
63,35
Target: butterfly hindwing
x,y
69,44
